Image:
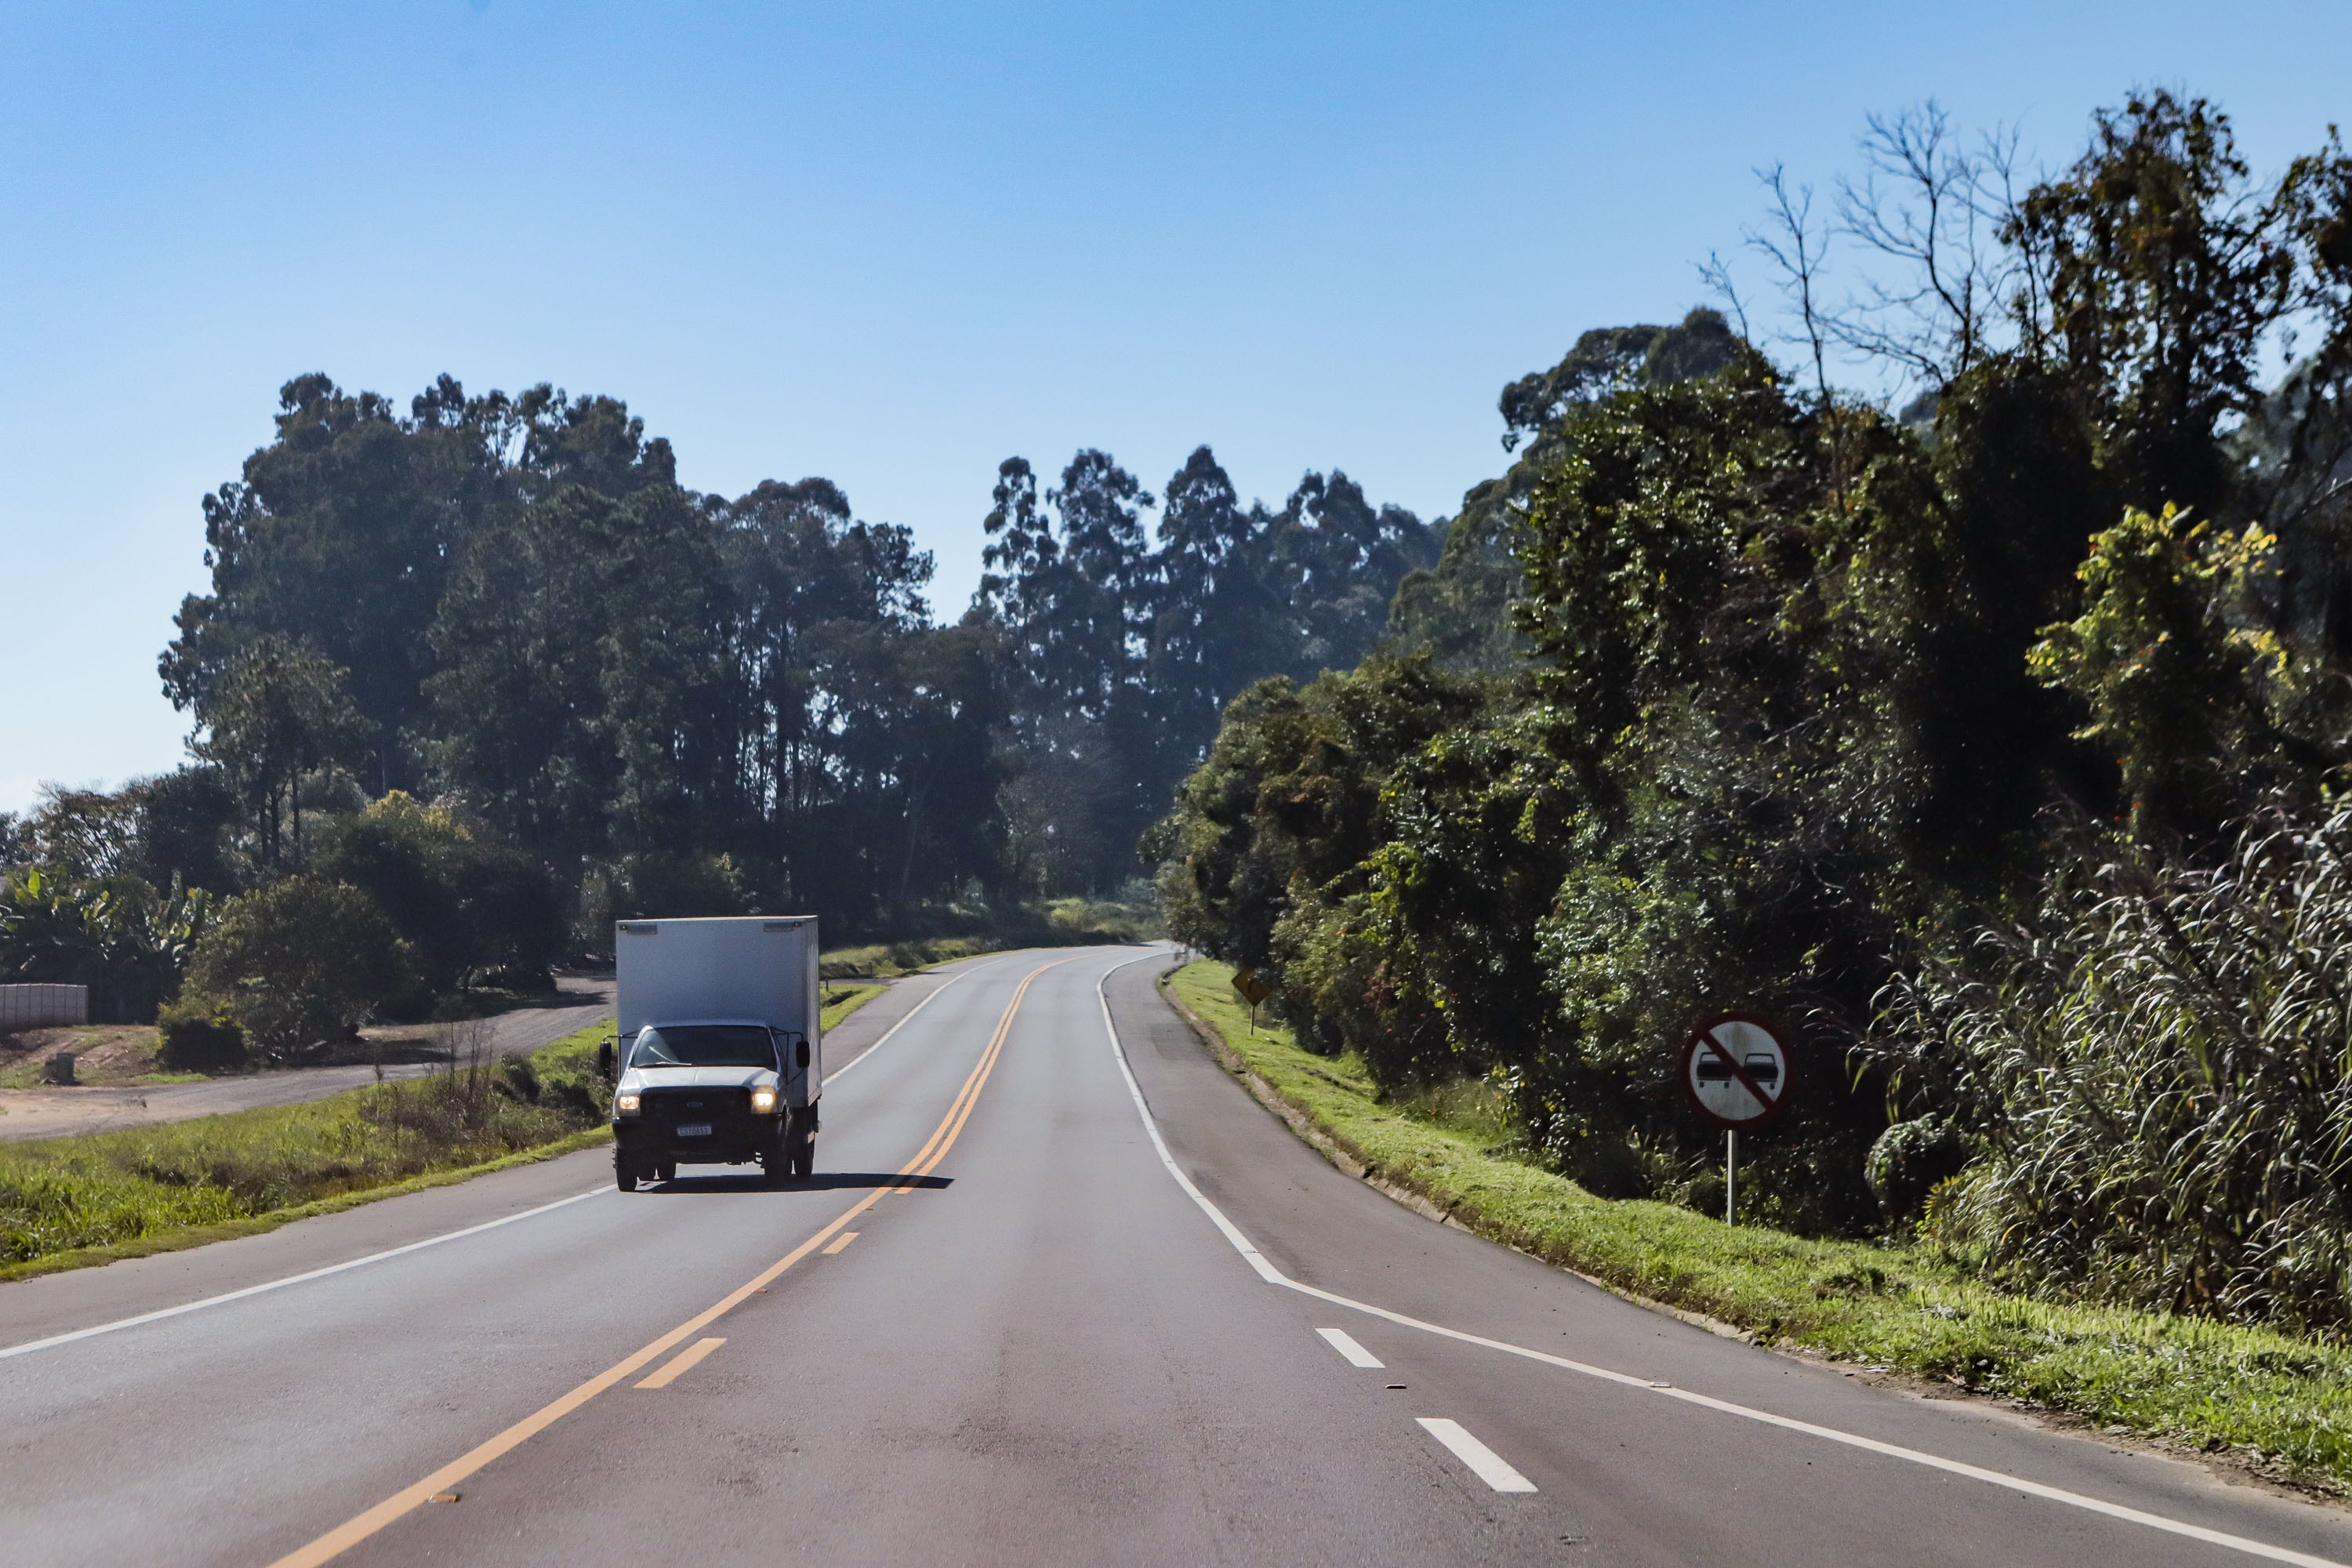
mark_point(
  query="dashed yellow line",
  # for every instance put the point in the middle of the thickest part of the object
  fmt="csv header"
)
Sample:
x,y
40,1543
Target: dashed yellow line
x,y
682,1362
841,1241
352,1531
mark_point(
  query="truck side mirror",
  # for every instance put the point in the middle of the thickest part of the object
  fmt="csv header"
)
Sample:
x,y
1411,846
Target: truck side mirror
x,y
800,1054
606,1057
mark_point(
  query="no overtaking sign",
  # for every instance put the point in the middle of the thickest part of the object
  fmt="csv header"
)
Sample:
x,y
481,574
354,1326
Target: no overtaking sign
x,y
1736,1071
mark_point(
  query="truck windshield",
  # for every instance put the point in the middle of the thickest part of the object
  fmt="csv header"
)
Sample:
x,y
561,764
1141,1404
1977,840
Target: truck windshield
x,y
703,1046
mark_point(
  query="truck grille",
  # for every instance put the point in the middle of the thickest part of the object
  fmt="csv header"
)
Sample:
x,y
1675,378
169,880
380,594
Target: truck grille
x,y
722,1108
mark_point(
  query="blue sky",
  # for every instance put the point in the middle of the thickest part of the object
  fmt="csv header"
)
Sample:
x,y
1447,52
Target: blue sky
x,y
894,243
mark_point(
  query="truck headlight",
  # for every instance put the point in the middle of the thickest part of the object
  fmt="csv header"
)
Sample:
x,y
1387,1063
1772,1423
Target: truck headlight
x,y
763,1099
625,1103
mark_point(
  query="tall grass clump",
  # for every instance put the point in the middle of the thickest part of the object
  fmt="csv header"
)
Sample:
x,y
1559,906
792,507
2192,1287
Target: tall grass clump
x,y
2157,1078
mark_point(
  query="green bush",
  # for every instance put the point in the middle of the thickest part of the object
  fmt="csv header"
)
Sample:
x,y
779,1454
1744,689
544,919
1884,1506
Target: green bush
x,y
300,961
472,909
1133,916
1911,1159
658,886
199,1034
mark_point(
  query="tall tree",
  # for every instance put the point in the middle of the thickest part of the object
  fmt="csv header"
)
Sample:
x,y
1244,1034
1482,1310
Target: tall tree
x,y
278,712
1336,560
1216,624
340,536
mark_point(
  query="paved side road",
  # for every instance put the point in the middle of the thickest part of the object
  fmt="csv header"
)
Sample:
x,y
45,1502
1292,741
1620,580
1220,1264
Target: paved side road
x,y
1033,1308
63,1112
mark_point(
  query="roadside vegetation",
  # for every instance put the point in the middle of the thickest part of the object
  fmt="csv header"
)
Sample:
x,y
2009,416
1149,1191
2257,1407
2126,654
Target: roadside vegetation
x,y
1068,922
1990,729
2279,1402
115,1194
475,675
66,1202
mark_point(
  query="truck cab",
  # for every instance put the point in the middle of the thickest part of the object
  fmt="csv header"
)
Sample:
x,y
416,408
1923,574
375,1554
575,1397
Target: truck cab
x,y
706,1091
718,1057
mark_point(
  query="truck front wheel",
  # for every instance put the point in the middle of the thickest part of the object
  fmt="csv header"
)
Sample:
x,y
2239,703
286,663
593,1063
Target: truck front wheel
x,y
624,1172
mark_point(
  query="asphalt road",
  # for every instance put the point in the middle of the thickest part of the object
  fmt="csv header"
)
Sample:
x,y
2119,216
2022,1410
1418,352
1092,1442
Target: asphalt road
x,y
58,1112
1038,1347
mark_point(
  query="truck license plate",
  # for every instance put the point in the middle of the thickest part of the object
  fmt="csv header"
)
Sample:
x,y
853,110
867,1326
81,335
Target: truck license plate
x,y
694,1130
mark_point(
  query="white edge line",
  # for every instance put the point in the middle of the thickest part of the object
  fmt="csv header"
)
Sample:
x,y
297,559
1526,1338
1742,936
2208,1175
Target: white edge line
x,y
1484,1463
157,1316
31,1345
1273,1276
1343,1342
850,1065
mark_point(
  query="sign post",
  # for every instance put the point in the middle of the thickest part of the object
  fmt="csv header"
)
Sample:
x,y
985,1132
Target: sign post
x,y
1254,989
1736,1072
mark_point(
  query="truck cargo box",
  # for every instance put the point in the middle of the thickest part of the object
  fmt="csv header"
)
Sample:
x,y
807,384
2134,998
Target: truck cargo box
x,y
719,1054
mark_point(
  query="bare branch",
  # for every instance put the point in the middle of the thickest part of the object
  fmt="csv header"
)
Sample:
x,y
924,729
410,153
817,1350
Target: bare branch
x,y
1793,247
1718,279
1938,212
2027,278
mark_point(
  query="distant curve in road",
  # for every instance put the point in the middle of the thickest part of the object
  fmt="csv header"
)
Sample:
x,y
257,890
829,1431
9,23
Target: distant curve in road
x,y
1048,1301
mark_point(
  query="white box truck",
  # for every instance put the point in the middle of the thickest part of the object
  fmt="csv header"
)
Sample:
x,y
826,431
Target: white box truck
x,y
717,1058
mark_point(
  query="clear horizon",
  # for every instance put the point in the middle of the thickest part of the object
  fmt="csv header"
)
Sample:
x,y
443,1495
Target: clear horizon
x,y
897,246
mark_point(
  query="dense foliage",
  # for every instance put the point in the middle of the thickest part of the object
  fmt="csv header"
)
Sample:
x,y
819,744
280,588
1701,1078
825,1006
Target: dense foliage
x,y
489,668
1780,698
2157,1070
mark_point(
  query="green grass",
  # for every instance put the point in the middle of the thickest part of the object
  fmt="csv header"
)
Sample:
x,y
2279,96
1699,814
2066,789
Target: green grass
x,y
69,1200
1096,920
2280,1403
841,1001
883,961
67,1203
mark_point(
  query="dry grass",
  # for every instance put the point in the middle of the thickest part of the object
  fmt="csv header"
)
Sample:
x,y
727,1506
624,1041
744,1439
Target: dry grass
x,y
103,1054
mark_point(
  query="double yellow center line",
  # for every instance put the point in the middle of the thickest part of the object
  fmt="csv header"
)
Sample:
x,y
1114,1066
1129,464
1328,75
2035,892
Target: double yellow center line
x,y
927,1158
352,1531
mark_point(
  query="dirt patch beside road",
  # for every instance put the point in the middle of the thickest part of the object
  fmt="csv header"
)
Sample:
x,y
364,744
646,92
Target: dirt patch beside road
x,y
50,1112
103,1053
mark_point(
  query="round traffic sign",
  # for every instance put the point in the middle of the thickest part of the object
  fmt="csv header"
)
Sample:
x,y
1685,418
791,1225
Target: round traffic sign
x,y
1734,1071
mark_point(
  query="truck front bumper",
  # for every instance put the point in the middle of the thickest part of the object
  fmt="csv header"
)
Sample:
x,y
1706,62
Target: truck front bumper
x,y
731,1140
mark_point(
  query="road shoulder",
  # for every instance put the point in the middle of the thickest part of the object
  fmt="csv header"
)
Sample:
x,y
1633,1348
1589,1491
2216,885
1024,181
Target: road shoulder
x,y
2207,1395
58,1303
170,1269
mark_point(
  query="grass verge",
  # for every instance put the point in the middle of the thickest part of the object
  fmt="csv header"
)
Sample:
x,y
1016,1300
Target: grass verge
x,y
71,1202
2279,1404
840,1002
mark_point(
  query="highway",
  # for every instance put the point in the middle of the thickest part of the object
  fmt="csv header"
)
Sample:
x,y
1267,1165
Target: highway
x,y
1050,1299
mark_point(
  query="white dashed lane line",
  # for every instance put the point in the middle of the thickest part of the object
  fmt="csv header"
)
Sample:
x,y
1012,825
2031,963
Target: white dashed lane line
x,y
1345,1343
1483,1462
1266,1271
